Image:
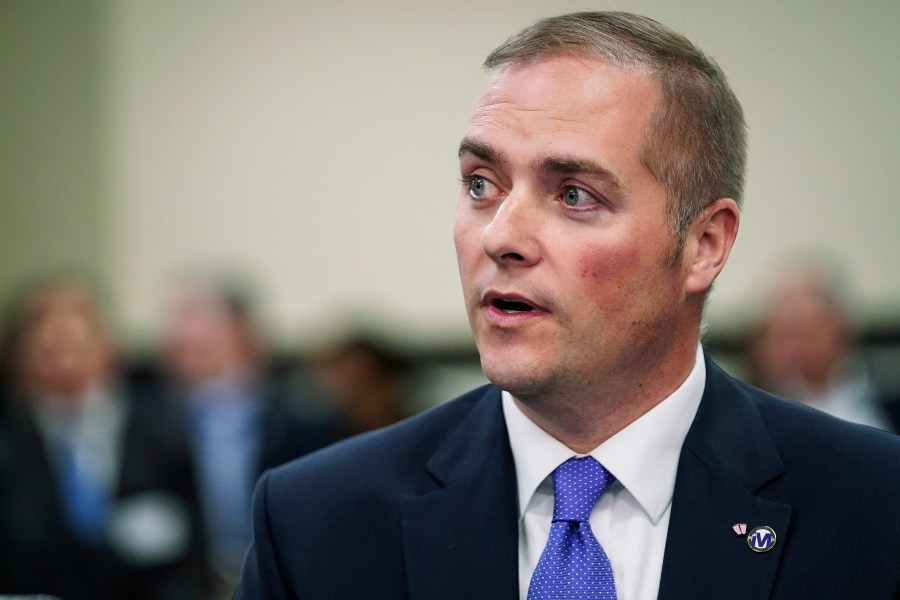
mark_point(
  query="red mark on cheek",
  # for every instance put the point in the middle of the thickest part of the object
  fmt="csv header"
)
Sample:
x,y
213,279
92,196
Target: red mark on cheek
x,y
608,266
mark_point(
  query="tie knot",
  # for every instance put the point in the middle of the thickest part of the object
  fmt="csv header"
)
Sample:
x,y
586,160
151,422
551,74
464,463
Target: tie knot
x,y
577,485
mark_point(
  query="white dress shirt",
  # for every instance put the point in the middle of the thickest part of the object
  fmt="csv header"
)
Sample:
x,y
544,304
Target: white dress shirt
x,y
631,519
93,428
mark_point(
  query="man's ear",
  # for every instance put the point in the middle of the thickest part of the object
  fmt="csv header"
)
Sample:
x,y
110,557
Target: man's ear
x,y
710,238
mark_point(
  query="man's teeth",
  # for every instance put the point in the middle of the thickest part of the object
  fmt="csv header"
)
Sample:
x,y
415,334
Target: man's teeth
x,y
512,308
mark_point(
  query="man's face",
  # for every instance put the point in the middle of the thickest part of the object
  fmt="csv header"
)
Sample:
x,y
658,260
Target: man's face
x,y
562,236
66,351
203,339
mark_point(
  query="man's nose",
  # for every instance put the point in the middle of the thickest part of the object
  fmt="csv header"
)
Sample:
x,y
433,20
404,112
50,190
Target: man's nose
x,y
511,238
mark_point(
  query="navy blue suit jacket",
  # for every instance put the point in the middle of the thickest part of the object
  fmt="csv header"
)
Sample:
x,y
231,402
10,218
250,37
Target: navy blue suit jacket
x,y
427,509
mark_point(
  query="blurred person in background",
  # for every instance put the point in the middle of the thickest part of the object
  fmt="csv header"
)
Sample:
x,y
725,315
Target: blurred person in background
x,y
217,363
366,383
97,496
806,347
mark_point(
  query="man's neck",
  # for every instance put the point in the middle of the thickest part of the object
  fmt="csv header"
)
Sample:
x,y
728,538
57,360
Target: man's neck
x,y
584,419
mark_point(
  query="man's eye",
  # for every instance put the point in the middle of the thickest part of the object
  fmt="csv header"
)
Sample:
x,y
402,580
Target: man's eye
x,y
478,186
575,196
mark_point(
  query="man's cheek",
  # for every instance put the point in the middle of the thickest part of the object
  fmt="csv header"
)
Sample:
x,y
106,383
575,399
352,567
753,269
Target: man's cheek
x,y
608,268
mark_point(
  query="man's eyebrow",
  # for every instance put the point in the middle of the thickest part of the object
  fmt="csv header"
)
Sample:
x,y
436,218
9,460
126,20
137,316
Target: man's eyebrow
x,y
482,151
573,166
559,165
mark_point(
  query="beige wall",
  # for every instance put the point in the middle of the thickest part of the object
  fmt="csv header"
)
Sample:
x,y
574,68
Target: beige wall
x,y
313,144
51,208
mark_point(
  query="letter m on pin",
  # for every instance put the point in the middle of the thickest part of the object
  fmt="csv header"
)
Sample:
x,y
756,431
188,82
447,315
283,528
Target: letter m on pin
x,y
761,539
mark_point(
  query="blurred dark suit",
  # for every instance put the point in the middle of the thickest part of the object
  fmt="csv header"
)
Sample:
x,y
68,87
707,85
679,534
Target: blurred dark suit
x,y
237,432
286,436
155,506
892,409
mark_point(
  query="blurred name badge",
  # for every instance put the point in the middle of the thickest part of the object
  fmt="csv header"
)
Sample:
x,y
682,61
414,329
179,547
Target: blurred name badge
x,y
150,528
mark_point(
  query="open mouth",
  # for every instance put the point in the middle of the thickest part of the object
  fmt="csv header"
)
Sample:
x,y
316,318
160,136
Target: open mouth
x,y
512,307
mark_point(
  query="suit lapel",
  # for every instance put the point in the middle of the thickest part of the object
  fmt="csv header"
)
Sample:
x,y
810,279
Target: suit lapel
x,y
461,540
727,461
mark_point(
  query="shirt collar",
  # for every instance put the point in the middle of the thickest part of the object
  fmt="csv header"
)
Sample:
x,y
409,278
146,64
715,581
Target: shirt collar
x,y
99,408
643,456
235,390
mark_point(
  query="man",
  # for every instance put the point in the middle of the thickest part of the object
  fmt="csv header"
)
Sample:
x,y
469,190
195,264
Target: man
x,y
805,347
97,496
235,422
601,172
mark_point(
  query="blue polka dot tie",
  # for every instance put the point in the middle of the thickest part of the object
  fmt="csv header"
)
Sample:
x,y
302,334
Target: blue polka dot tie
x,y
573,564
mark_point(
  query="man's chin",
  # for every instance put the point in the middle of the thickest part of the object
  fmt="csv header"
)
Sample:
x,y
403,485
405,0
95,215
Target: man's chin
x,y
519,379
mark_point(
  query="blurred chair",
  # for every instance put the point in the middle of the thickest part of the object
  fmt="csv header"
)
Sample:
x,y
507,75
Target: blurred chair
x,y
97,496
805,347
216,361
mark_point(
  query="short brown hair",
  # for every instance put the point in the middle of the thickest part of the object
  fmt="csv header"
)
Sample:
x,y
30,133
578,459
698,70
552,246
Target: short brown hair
x,y
696,142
